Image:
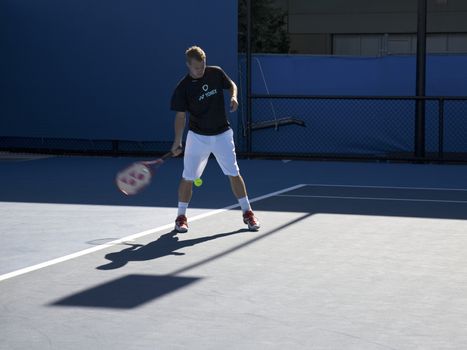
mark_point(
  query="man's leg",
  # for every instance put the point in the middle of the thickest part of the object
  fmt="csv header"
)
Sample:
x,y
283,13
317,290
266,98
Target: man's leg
x,y
238,186
185,190
227,159
239,190
194,161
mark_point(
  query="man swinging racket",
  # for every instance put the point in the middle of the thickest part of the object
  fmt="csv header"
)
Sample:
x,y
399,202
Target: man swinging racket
x,y
201,94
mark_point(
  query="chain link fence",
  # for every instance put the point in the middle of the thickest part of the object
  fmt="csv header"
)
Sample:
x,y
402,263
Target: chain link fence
x,y
337,127
455,129
357,127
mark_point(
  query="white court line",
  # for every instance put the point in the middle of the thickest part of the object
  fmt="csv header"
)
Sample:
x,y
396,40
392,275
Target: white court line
x,y
392,187
374,198
132,237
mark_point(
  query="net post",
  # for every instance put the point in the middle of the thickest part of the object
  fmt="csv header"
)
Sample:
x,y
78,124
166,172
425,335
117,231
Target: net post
x,y
420,80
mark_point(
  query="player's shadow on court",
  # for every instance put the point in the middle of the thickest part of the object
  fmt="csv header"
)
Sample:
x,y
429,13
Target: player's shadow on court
x,y
165,245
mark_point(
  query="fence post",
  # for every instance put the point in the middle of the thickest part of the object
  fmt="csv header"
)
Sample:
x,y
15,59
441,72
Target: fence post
x,y
441,128
248,76
420,81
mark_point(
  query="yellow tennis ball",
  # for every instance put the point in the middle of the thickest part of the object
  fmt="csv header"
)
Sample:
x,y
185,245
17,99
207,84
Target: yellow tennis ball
x,y
198,182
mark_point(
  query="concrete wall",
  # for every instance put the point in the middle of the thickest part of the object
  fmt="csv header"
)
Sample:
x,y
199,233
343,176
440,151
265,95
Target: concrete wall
x,y
378,16
311,24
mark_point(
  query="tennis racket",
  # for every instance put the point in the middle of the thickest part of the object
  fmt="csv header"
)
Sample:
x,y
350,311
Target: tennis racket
x,y
137,176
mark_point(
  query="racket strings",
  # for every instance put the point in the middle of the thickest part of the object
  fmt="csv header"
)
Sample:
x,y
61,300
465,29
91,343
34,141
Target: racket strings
x,y
134,178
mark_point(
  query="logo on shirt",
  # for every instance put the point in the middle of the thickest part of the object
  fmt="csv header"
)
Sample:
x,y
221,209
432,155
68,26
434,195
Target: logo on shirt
x,y
207,93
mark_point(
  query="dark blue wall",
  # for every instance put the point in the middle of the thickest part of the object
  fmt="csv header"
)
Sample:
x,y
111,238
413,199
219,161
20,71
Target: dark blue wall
x,y
104,69
335,75
359,127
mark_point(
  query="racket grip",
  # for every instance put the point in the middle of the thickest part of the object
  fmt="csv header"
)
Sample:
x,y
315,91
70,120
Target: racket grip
x,y
167,155
170,154
161,159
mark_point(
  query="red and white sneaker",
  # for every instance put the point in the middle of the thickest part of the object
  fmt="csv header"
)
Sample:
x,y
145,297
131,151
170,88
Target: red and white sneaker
x,y
250,219
181,224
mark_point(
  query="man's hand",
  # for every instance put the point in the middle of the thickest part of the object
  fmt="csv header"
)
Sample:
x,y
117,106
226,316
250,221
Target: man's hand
x,y
176,149
233,104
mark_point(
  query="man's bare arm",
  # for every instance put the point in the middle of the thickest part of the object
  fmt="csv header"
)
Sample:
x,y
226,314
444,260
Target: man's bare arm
x,y
179,126
233,98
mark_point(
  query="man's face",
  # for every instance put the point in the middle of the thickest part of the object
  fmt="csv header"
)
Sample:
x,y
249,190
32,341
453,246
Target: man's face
x,y
196,68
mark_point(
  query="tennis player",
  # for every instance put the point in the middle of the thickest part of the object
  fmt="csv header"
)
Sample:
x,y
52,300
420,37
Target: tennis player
x,y
201,94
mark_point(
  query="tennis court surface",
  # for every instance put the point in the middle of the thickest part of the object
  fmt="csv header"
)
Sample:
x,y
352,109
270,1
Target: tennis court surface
x,y
349,256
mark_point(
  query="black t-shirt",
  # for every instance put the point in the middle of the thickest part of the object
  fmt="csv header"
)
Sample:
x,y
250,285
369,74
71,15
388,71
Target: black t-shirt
x,y
203,98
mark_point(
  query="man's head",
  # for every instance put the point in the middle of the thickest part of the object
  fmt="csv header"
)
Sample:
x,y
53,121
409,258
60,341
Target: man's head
x,y
195,61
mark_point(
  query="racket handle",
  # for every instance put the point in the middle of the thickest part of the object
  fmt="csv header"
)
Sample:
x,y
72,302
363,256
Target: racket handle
x,y
167,155
161,159
170,154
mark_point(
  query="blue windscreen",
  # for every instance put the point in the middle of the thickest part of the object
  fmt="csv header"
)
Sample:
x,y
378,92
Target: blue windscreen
x,y
104,69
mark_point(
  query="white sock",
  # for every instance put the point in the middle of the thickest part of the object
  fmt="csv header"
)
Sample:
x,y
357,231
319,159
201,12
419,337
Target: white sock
x,y
182,208
244,204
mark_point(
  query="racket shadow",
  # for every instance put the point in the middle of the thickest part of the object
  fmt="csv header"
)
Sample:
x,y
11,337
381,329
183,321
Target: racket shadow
x,y
165,245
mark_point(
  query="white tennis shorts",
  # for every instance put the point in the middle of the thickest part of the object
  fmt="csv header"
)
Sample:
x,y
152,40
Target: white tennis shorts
x,y
198,148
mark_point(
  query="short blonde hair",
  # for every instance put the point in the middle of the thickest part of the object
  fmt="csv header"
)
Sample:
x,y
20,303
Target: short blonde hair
x,y
195,52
